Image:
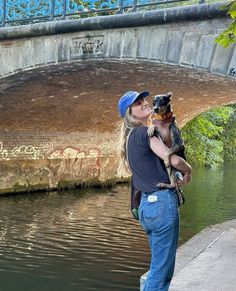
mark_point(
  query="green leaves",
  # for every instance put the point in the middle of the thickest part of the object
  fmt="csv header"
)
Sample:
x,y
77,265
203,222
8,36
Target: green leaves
x,y
228,36
205,136
229,137
232,10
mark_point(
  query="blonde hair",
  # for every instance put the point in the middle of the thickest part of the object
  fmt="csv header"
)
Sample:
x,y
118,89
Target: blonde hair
x,y
125,126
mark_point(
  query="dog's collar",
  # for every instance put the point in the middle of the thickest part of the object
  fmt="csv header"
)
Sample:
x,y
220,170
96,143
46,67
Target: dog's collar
x,y
163,116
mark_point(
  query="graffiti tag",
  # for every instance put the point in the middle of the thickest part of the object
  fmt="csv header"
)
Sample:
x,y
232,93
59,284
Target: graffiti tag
x,y
29,150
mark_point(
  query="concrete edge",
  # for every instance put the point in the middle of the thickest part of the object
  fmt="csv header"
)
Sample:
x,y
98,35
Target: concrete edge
x,y
135,19
197,244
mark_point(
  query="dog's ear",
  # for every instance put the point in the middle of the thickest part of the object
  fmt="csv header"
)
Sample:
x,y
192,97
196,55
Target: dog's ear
x,y
168,95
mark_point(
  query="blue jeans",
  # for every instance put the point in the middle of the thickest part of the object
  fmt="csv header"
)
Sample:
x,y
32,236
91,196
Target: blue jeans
x,y
159,216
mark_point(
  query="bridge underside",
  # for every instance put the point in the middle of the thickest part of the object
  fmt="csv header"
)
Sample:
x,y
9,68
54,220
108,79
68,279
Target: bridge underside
x,y
57,123
83,96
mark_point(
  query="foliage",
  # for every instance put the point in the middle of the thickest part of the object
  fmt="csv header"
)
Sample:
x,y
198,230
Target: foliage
x,y
204,136
229,137
228,36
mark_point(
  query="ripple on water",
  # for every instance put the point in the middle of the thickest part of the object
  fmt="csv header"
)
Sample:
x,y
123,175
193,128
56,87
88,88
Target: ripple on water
x,y
86,240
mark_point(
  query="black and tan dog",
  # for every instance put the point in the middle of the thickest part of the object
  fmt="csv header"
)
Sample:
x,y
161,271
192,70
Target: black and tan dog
x,y
163,123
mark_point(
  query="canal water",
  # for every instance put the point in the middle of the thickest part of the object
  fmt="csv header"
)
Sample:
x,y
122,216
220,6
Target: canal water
x,y
85,239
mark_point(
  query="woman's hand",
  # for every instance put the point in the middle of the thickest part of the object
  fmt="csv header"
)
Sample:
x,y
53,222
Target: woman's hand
x,y
185,180
187,177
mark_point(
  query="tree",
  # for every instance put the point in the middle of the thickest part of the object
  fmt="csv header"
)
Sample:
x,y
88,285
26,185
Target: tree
x,y
205,138
229,137
228,36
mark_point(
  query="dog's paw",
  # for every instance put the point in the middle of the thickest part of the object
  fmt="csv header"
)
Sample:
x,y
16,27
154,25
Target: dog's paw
x,y
151,130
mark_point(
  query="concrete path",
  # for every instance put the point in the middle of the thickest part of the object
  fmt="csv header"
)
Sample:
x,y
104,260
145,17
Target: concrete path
x,y
207,262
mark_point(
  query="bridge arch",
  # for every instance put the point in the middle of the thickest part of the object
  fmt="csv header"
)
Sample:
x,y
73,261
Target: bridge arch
x,y
57,125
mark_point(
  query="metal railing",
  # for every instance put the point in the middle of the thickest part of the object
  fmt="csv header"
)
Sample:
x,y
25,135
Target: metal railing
x,y
18,12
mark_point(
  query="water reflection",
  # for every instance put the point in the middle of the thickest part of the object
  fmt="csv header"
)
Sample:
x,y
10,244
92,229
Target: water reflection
x,y
85,239
75,240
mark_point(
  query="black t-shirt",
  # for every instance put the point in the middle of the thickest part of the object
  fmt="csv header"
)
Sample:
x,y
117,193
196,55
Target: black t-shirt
x,y
147,168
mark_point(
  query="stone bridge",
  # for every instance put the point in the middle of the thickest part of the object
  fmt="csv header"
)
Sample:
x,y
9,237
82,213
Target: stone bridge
x,y
182,36
60,82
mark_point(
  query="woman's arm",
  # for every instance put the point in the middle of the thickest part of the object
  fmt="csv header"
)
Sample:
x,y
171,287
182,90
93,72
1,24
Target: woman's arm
x,y
159,148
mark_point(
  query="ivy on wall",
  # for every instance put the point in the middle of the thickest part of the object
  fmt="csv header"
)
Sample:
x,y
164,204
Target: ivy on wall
x,y
210,138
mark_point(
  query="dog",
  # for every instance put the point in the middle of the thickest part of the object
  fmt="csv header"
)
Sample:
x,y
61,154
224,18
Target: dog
x,y
163,123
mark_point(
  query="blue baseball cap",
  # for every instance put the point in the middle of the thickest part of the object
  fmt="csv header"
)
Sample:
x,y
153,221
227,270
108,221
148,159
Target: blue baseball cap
x,y
128,99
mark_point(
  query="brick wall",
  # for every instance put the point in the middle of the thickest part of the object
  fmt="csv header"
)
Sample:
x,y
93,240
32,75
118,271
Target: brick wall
x,y
37,160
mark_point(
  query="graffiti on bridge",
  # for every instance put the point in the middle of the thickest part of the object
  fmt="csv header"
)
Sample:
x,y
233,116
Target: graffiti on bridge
x,y
3,152
29,150
23,150
75,162
70,161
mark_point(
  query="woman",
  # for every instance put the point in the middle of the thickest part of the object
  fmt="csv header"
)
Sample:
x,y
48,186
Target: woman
x,y
158,209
